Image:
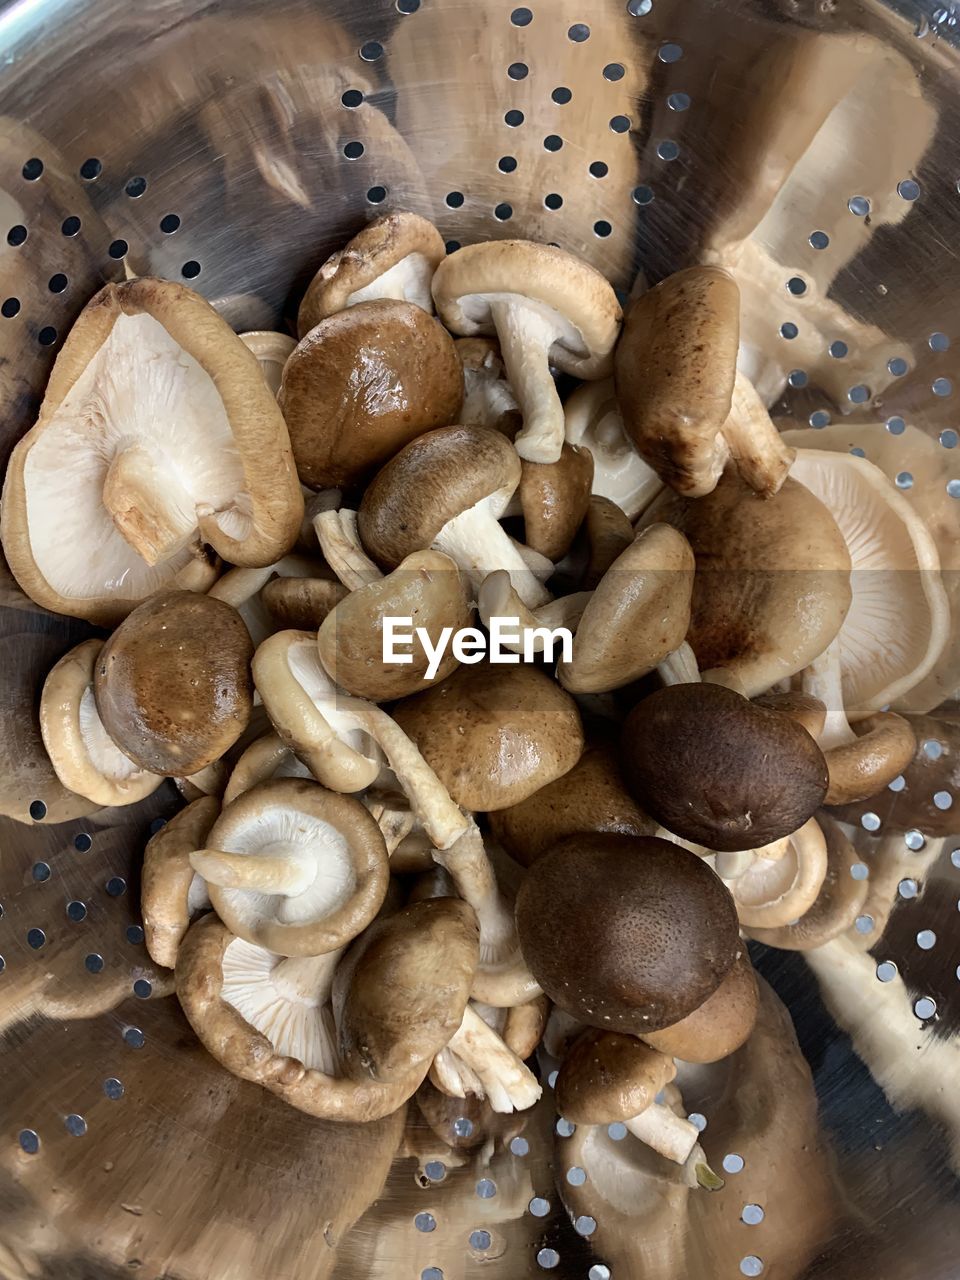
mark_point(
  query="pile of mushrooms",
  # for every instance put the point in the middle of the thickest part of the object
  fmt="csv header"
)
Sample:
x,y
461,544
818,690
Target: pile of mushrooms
x,y
432,872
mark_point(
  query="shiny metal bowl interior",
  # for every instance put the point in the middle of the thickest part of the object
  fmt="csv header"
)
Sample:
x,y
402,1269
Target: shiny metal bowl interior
x,y
236,144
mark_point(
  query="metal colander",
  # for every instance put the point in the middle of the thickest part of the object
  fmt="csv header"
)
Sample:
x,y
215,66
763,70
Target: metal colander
x,y
810,144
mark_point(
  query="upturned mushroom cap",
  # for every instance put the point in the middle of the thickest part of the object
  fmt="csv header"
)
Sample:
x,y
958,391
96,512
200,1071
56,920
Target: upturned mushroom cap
x,y
718,770
173,685
554,497
204,459
721,1024
427,588
85,758
607,1076
805,709
592,420
590,797
300,604
662,930
171,892
639,612
295,868
774,891
362,384
494,734
767,598
400,994
272,351
392,257
488,399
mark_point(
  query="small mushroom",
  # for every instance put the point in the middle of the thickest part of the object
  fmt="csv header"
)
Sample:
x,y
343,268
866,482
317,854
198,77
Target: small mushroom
x,y
446,491
401,992
362,384
592,420
300,604
488,399
172,683
294,868
721,1024
716,769
608,533
425,588
554,497
392,257
172,894
772,892
662,930
272,351
268,756
476,1061
547,308
339,541
535,627
83,754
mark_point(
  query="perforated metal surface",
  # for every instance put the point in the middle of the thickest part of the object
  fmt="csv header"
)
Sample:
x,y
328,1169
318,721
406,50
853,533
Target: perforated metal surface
x,y
814,145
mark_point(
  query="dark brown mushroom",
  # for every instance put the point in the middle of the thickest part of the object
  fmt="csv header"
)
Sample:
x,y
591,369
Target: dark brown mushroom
x,y
721,1024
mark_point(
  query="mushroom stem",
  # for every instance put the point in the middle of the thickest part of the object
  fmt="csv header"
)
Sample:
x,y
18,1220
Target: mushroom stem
x,y
505,1082
757,448
680,667
149,506
287,875
480,545
238,585
665,1132
340,543
498,599
471,870
823,679
527,332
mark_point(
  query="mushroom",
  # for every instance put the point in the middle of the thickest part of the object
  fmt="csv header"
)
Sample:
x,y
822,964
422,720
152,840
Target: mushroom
x,y
592,420
608,533
300,604
427,591
340,543
103,506
719,770
401,991
720,1025
488,399
446,490
804,708
773,892
244,590
638,614
476,1061
208,781
268,756
553,499
84,756
272,351
546,307
767,599
662,928
392,257
267,1019
684,406
494,734
294,868
172,894
172,683
535,627
362,384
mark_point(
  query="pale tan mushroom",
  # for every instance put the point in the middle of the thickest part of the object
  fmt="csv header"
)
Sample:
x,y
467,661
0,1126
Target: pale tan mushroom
x,y
771,893
172,894
272,351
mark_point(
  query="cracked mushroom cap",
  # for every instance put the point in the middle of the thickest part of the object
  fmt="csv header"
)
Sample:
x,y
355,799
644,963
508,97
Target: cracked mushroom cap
x,y
400,993
84,756
607,1076
102,506
662,930
721,1024
173,685
295,868
592,420
392,257
494,734
554,497
172,894
362,384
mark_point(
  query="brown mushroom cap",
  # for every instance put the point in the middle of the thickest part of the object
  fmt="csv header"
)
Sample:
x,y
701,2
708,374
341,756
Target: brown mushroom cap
x,y
173,684
167,878
804,708
721,1024
607,1076
554,497
494,734
626,933
300,604
719,770
400,994
608,534
363,383
883,748
591,797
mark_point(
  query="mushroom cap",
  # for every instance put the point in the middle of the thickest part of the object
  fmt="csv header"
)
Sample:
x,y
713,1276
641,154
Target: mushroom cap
x,y
804,708
433,479
171,892
272,351
173,684
362,384
494,734
719,770
301,604
400,994
267,756
608,534
772,892
772,586
592,419
660,930
208,427
554,497
675,368
335,842
246,1052
590,797
721,1024
639,613
380,245
543,274
607,1076
426,587
884,746
488,399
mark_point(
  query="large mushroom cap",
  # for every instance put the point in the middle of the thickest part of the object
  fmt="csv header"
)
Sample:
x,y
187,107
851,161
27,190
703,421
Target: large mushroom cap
x,y
363,383
171,892
721,1024
719,770
157,433
607,1076
625,933
494,734
173,684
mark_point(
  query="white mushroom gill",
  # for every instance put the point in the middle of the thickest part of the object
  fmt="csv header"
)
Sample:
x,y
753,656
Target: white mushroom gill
x,y
105,756
407,280
139,446
303,660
